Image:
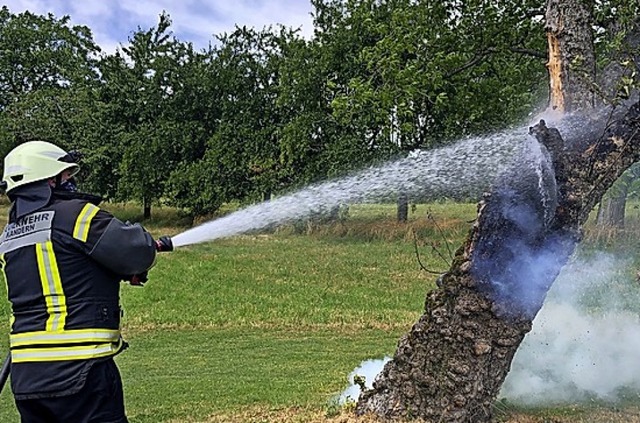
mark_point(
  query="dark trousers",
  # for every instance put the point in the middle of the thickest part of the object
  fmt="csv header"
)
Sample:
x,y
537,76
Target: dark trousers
x,y
100,401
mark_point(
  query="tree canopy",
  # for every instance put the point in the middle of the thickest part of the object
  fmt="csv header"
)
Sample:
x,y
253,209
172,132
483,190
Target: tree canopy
x,y
264,111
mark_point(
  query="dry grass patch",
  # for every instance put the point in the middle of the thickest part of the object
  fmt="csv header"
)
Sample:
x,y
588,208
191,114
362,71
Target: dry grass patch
x,y
289,415
312,415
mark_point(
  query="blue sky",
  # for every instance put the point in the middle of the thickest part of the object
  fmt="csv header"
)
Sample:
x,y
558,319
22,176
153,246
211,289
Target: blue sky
x,y
196,21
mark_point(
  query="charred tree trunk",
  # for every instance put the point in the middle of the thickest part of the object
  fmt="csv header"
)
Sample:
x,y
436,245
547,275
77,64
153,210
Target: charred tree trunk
x,y
452,363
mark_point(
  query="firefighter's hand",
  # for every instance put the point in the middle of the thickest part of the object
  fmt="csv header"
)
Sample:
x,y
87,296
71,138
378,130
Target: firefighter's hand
x,y
139,279
164,243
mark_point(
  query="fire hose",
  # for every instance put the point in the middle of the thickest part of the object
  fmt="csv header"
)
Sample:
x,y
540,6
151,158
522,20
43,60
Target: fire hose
x,y
4,371
163,243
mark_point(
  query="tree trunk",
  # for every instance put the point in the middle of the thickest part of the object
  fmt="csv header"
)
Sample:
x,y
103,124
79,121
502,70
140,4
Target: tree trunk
x,y
572,61
452,363
403,207
611,212
146,208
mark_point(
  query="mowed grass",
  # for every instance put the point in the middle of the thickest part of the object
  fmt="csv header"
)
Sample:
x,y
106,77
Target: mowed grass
x,y
266,327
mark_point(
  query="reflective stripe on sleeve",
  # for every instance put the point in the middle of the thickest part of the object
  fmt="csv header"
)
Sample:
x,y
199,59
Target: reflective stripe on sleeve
x,y
75,336
51,287
83,222
25,355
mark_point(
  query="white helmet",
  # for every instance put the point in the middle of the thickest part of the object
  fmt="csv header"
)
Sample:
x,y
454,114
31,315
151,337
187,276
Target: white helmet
x,y
35,161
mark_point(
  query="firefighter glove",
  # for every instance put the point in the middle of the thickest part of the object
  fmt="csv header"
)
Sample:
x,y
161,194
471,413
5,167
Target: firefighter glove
x,y
164,243
140,279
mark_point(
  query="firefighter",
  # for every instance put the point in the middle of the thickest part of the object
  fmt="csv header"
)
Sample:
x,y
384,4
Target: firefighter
x,y
63,259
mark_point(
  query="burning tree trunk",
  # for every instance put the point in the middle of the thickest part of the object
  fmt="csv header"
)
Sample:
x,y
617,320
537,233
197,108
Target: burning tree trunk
x,y
452,363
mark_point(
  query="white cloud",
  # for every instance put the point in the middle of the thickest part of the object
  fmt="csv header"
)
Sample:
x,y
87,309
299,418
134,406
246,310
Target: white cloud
x,y
196,21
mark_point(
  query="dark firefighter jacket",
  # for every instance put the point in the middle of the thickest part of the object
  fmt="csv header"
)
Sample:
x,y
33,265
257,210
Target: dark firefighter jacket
x,y
63,265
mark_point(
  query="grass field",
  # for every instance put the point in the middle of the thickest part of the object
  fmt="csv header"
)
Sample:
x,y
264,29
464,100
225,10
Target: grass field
x,y
266,327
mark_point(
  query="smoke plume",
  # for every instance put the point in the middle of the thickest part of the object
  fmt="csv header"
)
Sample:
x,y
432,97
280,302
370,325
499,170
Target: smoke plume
x,y
585,340
584,344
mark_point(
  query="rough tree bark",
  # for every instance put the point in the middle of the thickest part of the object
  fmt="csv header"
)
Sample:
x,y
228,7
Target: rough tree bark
x,y
452,363
572,61
611,212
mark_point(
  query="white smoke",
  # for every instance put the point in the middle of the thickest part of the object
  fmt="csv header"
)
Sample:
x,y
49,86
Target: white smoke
x,y
368,370
585,340
584,345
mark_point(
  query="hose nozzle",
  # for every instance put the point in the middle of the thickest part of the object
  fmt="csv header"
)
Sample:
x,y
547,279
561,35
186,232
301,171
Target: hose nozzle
x,y
164,243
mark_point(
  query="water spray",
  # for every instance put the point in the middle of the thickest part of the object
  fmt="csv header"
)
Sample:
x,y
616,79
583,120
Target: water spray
x,y
460,171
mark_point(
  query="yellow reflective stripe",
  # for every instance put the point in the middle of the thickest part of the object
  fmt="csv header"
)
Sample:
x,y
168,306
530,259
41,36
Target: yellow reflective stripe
x,y
64,353
75,336
51,287
83,222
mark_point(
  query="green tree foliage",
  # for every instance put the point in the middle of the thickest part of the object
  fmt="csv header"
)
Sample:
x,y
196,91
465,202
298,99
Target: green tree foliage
x,y
241,159
304,101
263,112
47,71
421,73
343,30
42,52
140,84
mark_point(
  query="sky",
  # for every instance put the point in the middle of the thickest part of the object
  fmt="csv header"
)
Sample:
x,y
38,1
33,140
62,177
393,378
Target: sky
x,y
112,22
